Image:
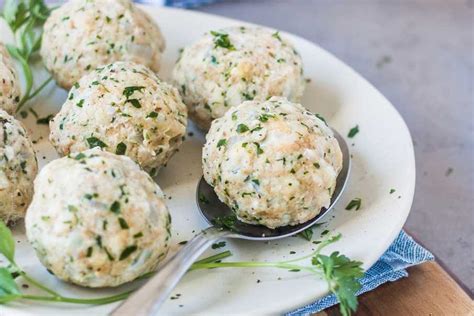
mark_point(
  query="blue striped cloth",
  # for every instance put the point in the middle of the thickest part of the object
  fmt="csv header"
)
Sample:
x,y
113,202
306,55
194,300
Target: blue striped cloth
x,y
403,253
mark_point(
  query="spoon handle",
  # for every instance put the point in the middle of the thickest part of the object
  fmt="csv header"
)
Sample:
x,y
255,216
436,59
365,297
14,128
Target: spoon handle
x,y
148,299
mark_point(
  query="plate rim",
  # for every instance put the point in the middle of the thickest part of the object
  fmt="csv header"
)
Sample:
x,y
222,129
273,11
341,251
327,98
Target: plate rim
x,y
370,260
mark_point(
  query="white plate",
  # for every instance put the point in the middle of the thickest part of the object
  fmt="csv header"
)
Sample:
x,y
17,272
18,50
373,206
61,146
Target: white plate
x,y
383,159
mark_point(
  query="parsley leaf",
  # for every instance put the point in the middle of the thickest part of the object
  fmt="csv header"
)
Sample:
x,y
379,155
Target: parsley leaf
x,y
306,234
342,275
222,40
355,203
95,142
7,244
218,245
7,284
242,128
221,142
127,252
121,149
128,91
353,132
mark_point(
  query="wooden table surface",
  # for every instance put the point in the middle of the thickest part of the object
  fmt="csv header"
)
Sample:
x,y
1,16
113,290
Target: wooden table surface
x,y
428,290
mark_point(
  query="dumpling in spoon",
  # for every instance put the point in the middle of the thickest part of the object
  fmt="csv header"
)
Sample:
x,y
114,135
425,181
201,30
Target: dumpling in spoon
x,y
273,163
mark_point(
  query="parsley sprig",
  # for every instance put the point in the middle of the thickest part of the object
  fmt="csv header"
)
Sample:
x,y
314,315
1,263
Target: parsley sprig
x,y
340,273
25,19
9,290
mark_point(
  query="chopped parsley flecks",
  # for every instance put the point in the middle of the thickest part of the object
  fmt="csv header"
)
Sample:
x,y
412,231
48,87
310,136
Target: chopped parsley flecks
x,y
128,91
152,114
264,117
321,118
392,191
259,149
121,149
89,196
353,132
277,35
115,207
127,252
306,234
218,245
138,235
89,252
134,102
316,165
72,208
95,142
203,199
79,156
225,222
45,120
123,223
354,204
242,128
221,142
80,103
222,40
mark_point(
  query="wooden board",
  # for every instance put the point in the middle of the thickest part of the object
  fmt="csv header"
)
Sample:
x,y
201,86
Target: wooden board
x,y
428,290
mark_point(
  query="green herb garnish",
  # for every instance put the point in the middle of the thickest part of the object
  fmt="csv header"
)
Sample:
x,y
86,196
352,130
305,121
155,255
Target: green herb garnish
x,y
340,273
222,40
221,142
95,142
353,132
128,91
25,19
152,114
354,204
218,245
306,234
121,149
127,252
115,207
242,128
44,120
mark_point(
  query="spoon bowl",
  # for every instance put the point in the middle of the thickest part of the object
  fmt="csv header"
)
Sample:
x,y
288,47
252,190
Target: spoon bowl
x,y
149,298
212,208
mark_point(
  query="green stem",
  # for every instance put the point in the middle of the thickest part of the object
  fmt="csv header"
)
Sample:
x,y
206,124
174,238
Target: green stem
x,y
88,301
29,82
41,87
38,285
214,258
250,264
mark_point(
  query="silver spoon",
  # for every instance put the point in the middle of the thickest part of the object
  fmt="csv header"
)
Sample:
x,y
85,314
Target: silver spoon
x,y
149,298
